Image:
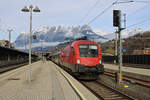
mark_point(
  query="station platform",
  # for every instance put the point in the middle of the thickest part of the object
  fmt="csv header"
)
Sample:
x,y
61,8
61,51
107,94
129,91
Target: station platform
x,y
49,82
129,71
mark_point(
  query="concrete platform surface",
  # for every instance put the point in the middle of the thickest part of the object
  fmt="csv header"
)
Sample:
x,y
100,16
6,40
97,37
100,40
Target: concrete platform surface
x,y
129,69
47,84
134,72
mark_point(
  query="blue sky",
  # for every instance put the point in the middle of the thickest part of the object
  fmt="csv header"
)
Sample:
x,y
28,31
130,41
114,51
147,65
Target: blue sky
x,y
68,12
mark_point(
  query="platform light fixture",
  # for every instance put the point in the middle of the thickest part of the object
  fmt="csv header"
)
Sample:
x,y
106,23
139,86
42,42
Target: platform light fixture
x,y
30,9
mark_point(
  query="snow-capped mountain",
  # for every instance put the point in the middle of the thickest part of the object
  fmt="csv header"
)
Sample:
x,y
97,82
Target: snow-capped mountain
x,y
125,33
99,32
55,35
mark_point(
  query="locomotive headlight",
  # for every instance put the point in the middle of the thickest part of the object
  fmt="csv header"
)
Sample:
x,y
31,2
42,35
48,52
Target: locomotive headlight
x,y
100,61
78,61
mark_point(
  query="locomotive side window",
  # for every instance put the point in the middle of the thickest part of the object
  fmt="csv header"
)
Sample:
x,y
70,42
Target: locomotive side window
x,y
73,51
88,50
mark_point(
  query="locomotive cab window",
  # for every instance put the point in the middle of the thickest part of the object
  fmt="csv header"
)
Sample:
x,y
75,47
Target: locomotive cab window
x,y
88,50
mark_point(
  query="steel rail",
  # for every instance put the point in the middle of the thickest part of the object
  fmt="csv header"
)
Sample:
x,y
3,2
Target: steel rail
x,y
105,92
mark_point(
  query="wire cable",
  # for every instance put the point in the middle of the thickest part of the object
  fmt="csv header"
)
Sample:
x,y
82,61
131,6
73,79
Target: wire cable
x,y
127,1
138,10
101,13
141,22
140,1
89,11
115,2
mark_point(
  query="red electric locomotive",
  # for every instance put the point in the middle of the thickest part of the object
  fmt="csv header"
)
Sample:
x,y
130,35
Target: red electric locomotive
x,y
82,59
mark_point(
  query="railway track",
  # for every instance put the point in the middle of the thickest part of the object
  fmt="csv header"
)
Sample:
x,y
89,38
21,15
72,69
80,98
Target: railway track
x,y
104,92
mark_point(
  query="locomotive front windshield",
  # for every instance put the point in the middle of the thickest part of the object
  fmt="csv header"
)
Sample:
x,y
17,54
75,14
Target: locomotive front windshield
x,y
88,50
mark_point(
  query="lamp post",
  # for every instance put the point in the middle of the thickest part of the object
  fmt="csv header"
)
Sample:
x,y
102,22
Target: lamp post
x,y
30,9
42,49
10,30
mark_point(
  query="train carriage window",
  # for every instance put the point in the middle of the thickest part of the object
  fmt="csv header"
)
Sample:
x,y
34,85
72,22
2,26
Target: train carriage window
x,y
88,50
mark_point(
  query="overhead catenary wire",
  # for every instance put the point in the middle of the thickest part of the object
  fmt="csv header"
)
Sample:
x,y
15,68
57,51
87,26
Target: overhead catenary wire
x,y
141,22
101,13
124,1
138,10
127,1
90,10
115,2
143,7
141,1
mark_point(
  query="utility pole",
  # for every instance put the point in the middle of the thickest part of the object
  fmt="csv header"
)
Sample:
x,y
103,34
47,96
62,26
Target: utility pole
x,y
42,49
120,54
25,45
116,46
9,45
117,23
124,21
9,31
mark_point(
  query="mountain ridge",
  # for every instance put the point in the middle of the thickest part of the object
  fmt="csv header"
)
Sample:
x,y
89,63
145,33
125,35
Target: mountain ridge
x,y
54,35
57,35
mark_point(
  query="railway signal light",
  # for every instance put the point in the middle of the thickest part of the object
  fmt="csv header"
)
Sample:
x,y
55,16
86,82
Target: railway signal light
x,y
116,18
117,23
34,37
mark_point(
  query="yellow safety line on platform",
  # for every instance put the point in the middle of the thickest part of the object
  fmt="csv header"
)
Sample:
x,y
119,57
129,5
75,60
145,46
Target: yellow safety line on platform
x,y
81,95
